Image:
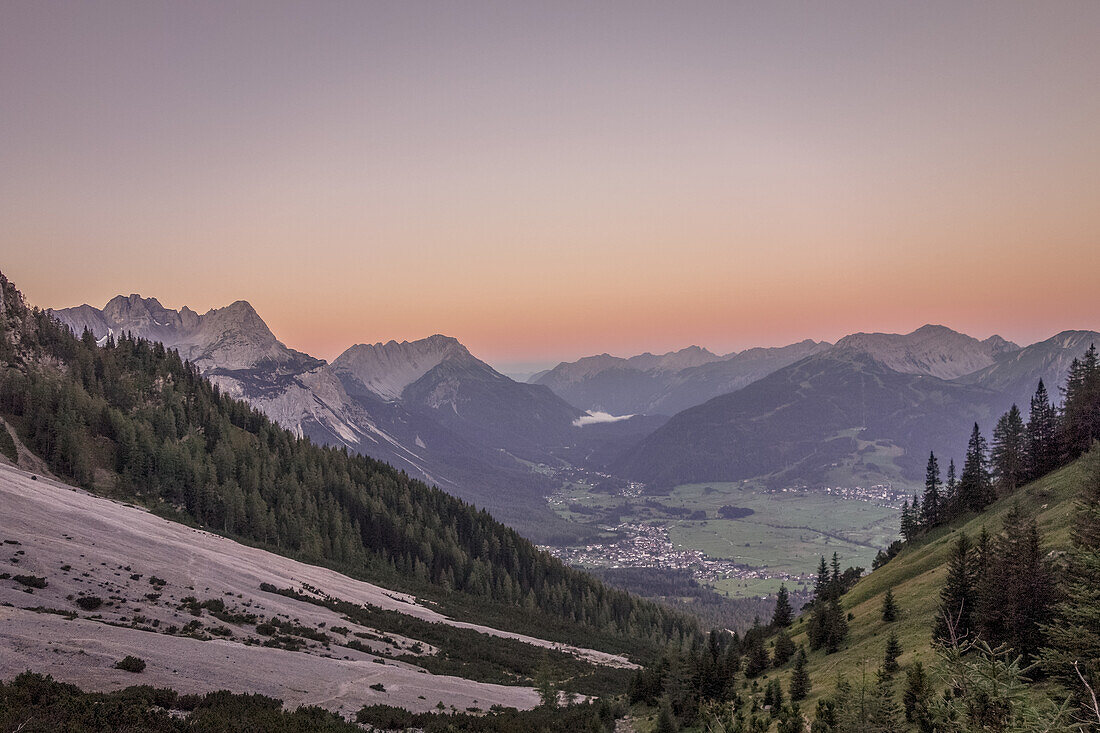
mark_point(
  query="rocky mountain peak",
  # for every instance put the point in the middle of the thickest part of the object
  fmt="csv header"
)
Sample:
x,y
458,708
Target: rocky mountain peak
x,y
387,368
933,350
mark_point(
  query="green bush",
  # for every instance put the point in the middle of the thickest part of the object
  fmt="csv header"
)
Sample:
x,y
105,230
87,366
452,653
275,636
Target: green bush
x,y
131,664
89,603
31,581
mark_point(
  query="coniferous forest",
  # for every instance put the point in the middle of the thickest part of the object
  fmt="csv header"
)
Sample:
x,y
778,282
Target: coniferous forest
x,y
1016,635
131,419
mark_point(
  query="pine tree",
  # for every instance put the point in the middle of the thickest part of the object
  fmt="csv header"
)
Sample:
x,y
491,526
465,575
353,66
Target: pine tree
x,y
916,516
1041,440
889,607
835,586
821,584
950,499
884,715
953,621
917,697
907,532
1008,454
666,722
756,658
544,684
975,492
1016,587
1081,405
893,651
1074,632
773,697
931,504
836,627
783,614
784,649
800,677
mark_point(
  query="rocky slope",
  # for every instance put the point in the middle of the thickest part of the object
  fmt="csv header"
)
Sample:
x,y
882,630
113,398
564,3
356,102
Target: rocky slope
x,y
933,350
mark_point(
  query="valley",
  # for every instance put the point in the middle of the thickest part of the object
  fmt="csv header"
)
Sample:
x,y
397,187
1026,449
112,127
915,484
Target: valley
x,y
743,539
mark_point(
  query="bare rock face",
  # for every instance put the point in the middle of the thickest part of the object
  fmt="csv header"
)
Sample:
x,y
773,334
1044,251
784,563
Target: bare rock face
x,y
387,369
936,351
236,350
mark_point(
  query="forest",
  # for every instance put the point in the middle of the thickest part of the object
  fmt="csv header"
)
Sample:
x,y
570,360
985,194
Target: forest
x,y
131,419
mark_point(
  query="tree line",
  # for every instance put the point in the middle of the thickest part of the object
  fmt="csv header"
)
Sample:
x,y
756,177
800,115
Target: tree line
x,y
133,419
1052,436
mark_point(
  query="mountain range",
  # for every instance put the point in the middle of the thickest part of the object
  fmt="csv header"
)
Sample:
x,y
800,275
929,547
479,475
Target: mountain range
x,y
864,410
867,410
427,406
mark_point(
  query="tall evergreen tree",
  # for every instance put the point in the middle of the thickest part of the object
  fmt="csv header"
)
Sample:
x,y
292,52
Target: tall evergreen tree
x,y
821,584
917,697
1008,456
889,607
784,649
931,504
891,654
975,491
783,614
884,715
756,656
1016,587
800,677
1081,405
953,621
1042,438
907,532
1074,632
949,501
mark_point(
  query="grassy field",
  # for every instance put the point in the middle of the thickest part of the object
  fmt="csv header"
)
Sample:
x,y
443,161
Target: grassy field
x,y
786,533
917,576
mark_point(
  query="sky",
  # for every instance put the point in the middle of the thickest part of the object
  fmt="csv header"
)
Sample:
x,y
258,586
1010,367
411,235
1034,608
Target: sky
x,y
549,180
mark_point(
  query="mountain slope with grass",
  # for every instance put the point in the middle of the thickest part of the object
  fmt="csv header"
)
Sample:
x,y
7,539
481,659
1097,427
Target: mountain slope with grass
x,y
918,573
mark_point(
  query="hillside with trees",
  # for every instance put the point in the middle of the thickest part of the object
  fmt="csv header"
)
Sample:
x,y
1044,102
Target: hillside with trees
x,y
986,617
131,419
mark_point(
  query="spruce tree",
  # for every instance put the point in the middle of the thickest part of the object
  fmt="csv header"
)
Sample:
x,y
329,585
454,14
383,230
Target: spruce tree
x,y
1008,454
931,504
890,656
773,697
1073,633
756,658
666,722
975,492
783,614
889,607
784,649
836,627
950,499
1016,587
1041,439
885,714
821,584
953,621
907,532
917,697
800,677
1081,404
